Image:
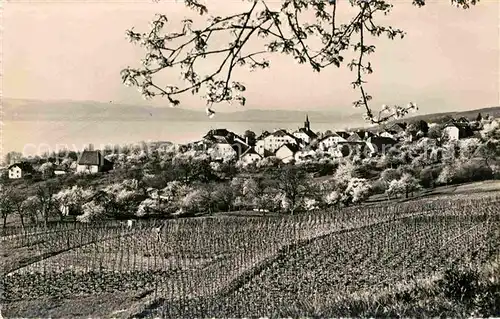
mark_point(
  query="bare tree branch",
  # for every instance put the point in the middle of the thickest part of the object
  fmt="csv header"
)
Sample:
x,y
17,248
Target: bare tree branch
x,y
286,33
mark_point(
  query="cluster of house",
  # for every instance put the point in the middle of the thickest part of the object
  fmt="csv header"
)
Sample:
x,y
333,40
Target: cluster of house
x,y
222,145
298,145
304,143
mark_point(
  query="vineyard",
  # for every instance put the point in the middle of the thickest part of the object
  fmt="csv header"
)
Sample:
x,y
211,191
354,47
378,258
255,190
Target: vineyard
x,y
311,264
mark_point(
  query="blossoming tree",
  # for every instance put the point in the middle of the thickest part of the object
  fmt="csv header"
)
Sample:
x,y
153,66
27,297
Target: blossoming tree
x,y
308,30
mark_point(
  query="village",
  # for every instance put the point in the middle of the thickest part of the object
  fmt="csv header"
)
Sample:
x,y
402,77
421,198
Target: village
x,y
299,146
279,171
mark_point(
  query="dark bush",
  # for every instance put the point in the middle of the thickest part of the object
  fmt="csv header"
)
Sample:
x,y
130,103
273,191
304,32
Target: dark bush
x,y
472,171
460,284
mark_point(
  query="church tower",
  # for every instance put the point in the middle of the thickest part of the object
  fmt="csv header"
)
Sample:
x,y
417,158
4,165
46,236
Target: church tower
x,y
307,124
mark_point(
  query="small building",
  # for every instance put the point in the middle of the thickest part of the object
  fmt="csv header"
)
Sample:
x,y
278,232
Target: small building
x,y
274,141
20,170
330,140
222,150
250,156
457,130
286,152
93,162
379,144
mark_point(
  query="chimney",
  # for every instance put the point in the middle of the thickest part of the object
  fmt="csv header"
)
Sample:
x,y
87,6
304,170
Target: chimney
x,y
246,140
91,147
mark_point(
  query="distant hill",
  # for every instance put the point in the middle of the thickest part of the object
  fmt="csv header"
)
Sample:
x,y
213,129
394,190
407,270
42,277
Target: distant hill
x,y
444,117
33,110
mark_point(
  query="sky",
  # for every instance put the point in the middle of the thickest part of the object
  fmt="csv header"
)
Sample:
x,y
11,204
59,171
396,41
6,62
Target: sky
x,y
449,59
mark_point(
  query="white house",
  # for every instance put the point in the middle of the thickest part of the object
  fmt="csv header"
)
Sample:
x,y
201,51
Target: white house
x,y
250,156
19,170
222,151
91,162
451,132
274,141
330,140
286,152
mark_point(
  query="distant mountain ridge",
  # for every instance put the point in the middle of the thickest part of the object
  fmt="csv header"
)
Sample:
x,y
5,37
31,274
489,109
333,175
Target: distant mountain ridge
x,y
445,116
31,110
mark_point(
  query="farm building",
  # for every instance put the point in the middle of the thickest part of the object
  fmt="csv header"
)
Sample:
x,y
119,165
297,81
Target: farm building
x,y
274,141
331,140
19,170
93,162
457,130
250,156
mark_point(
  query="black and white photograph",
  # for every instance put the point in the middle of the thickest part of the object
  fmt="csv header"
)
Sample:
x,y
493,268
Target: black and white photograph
x,y
250,159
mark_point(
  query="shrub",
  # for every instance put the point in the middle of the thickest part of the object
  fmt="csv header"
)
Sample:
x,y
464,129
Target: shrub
x,y
428,176
464,172
460,284
379,186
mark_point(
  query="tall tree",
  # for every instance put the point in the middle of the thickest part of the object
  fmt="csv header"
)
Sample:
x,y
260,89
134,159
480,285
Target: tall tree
x,y
6,205
293,183
287,28
45,193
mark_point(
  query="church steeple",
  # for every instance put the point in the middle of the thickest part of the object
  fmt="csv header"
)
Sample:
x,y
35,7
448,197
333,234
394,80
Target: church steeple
x,y
307,124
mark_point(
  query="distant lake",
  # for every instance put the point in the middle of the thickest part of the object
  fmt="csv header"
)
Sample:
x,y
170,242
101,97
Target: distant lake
x,y
37,137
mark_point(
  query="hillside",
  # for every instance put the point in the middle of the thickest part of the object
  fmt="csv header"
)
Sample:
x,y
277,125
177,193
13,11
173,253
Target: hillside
x,y
443,117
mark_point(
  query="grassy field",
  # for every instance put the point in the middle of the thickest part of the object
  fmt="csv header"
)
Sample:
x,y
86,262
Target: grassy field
x,y
392,259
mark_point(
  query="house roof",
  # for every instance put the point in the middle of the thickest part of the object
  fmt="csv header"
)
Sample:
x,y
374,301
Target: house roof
x,y
308,132
343,134
389,131
292,147
264,134
354,137
221,135
25,166
334,134
218,132
250,150
283,133
398,127
464,129
91,158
